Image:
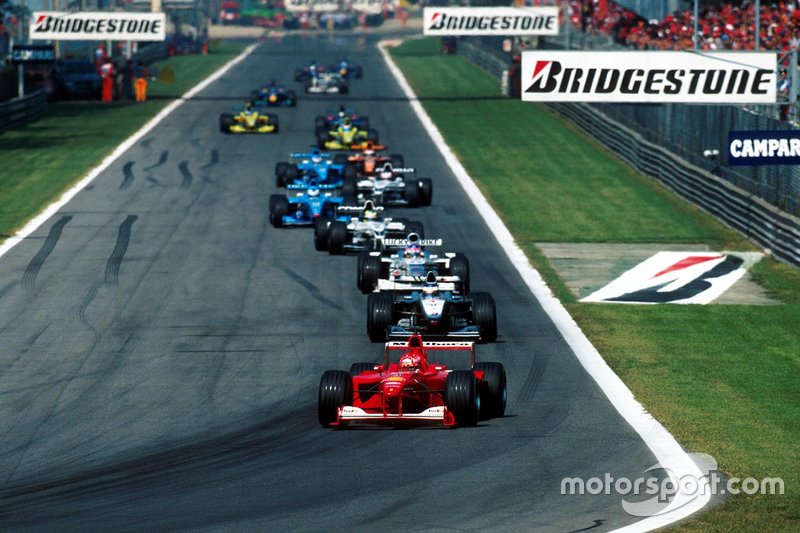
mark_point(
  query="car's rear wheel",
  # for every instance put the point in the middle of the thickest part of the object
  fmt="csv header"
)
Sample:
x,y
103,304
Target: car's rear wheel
x,y
337,237
358,368
426,190
494,392
335,391
413,193
278,208
292,173
369,274
459,266
349,189
280,173
380,310
273,120
484,315
225,122
321,234
462,397
320,122
292,97
364,123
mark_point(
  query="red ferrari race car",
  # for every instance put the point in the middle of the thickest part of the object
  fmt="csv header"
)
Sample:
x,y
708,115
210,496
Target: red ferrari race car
x,y
413,390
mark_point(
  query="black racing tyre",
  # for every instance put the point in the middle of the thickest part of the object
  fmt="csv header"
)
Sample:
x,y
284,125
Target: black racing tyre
x,y
320,122
413,193
416,227
340,159
322,138
358,368
484,315
321,234
426,189
350,189
380,311
291,174
343,88
350,171
307,88
372,135
398,161
359,71
225,122
335,391
328,211
337,237
370,271
364,123
494,392
273,119
292,97
462,397
280,173
278,208
459,266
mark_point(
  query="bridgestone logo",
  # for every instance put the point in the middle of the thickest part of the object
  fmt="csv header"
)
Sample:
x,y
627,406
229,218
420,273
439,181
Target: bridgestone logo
x,y
490,21
648,77
47,23
444,22
98,26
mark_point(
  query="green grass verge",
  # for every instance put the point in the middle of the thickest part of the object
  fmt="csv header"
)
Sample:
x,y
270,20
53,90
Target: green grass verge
x,y
43,159
722,378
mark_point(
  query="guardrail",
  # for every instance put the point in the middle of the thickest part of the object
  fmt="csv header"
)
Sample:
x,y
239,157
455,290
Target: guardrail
x,y
23,110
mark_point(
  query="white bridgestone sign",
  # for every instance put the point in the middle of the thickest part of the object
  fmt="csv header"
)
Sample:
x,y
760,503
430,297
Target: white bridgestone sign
x,y
105,26
490,21
654,77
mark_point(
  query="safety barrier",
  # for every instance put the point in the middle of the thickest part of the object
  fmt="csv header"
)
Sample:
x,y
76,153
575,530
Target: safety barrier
x,y
20,111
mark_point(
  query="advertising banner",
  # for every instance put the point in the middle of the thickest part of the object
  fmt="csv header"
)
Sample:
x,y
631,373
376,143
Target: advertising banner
x,y
650,77
96,26
490,21
25,54
316,6
372,7
779,147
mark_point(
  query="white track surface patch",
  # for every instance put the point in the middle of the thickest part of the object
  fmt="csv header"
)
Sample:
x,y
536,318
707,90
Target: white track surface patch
x,y
669,453
53,208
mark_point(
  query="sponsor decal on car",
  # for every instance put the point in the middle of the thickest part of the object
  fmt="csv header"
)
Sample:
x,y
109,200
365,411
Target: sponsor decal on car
x,y
677,277
490,21
710,78
97,26
781,147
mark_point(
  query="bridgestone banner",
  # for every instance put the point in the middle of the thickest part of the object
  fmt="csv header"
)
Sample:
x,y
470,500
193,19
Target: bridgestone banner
x,y
654,77
89,26
490,21
780,147
317,6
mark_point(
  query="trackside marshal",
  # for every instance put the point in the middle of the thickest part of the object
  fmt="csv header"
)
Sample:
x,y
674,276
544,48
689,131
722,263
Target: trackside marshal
x,y
98,26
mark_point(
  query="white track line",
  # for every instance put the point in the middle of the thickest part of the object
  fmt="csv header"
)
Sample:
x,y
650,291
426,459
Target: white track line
x,y
53,208
663,445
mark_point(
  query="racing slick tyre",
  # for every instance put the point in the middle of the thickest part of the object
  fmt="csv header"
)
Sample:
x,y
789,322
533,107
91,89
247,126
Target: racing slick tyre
x,y
358,368
225,122
398,161
372,135
307,88
343,88
280,173
459,266
335,391
364,123
426,189
328,211
413,193
322,138
292,97
350,171
350,189
337,237
278,208
320,234
380,308
494,392
415,227
291,174
273,119
320,122
462,397
369,272
484,315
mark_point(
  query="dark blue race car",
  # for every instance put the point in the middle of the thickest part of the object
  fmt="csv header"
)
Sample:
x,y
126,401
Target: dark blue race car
x,y
273,95
348,69
308,203
333,118
314,165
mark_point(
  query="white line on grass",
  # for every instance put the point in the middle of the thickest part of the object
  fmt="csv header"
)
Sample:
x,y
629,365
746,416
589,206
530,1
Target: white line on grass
x,y
669,453
53,208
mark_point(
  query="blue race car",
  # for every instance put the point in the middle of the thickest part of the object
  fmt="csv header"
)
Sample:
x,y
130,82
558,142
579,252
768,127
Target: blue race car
x,y
433,309
348,69
310,202
335,117
273,95
314,165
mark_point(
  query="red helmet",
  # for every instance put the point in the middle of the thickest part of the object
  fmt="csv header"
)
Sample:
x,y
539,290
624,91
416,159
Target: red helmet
x,y
412,362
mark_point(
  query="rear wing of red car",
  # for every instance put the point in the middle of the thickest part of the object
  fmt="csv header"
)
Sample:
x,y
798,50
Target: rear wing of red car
x,y
441,346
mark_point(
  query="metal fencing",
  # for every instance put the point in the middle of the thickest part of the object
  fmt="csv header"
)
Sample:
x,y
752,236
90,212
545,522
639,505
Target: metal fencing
x,y
22,110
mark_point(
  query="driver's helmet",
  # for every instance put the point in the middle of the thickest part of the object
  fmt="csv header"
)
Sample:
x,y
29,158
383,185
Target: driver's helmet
x,y
386,171
248,109
313,175
313,189
316,157
370,214
342,113
412,362
413,249
431,284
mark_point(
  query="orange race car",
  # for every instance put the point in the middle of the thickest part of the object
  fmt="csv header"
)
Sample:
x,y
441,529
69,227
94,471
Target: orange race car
x,y
367,159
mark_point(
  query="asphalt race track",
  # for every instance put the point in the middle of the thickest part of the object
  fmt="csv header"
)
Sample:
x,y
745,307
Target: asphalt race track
x,y
162,345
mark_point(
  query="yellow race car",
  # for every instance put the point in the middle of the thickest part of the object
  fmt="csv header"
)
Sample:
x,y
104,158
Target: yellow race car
x,y
248,120
346,137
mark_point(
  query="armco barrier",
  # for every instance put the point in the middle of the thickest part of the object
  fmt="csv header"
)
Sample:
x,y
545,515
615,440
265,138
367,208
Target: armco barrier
x,y
770,227
23,110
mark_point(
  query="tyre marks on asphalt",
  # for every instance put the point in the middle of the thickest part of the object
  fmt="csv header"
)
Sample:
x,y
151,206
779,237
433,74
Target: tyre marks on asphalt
x,y
187,177
206,169
161,160
127,176
29,277
153,182
123,239
311,288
